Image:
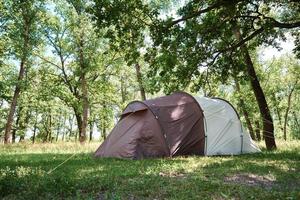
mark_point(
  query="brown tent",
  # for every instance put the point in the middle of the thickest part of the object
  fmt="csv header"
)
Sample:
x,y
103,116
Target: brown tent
x,y
167,126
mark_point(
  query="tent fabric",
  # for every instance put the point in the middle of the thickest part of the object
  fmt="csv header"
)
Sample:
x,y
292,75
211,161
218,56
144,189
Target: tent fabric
x,y
135,136
224,132
166,126
174,125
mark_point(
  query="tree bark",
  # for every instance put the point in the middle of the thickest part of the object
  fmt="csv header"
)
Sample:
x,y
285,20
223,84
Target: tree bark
x,y
103,132
123,90
248,122
268,127
71,120
45,126
287,110
244,110
8,127
50,128
14,131
79,123
257,130
296,120
34,129
140,81
64,128
277,111
104,122
58,130
21,138
85,105
91,130
13,139
84,89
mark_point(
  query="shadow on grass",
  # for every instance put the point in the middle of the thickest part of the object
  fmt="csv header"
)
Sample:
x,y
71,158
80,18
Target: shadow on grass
x,y
25,175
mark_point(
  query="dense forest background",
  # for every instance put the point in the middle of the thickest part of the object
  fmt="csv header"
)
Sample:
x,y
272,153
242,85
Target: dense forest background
x,y
69,67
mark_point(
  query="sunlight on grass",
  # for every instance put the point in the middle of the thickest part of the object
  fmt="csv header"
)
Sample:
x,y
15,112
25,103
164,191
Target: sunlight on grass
x,y
266,175
66,147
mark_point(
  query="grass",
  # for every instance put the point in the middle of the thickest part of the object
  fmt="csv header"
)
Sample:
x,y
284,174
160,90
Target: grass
x,y
267,175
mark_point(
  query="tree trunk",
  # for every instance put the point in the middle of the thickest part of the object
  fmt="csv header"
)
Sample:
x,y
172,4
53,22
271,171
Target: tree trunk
x,y
104,122
85,105
123,90
21,138
296,121
34,129
58,131
103,132
22,125
8,127
14,131
268,127
91,130
257,130
277,111
244,110
91,125
79,123
50,128
64,128
84,89
140,81
71,120
45,125
287,110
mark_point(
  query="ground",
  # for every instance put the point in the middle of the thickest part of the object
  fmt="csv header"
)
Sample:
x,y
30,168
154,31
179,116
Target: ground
x,y
29,172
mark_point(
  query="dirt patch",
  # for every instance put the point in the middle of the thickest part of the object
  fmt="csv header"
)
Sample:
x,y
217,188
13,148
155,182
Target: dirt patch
x,y
267,181
173,174
101,196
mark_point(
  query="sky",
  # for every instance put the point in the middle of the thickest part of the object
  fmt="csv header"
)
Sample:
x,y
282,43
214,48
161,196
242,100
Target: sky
x,y
269,52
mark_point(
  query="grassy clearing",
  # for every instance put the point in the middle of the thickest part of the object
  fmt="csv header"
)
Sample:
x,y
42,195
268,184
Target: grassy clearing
x,y
268,175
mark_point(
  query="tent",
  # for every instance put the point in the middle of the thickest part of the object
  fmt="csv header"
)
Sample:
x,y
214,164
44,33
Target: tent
x,y
177,124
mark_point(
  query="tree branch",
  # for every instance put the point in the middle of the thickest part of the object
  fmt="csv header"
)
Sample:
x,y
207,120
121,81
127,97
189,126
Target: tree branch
x,y
218,4
48,61
285,25
273,24
243,41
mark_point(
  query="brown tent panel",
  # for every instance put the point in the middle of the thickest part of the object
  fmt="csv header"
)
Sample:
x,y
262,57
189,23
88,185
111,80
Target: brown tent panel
x,y
166,126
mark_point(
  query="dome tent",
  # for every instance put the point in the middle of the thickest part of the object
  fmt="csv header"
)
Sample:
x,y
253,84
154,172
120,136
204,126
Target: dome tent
x,y
177,124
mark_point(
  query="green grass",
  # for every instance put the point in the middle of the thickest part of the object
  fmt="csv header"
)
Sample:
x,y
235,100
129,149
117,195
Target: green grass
x,y
267,175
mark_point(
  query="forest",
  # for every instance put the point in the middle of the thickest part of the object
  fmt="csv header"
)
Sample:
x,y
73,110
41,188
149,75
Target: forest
x,y
68,68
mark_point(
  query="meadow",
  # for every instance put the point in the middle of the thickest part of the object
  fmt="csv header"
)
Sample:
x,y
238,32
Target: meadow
x,y
29,172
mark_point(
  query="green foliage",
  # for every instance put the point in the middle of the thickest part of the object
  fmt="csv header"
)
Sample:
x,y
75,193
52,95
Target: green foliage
x,y
286,71
22,26
102,40
201,37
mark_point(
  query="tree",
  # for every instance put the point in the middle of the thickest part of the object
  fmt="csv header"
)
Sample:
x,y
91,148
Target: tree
x,y
23,31
68,35
81,60
127,23
284,69
207,34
